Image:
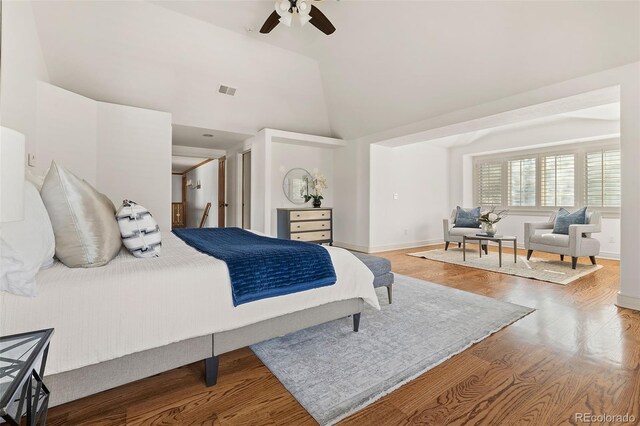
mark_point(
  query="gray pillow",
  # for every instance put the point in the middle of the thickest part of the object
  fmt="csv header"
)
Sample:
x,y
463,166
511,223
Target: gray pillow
x,y
84,224
564,219
467,218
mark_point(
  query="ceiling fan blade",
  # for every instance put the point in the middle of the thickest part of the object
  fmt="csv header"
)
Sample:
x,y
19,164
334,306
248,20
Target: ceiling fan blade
x,y
272,21
320,21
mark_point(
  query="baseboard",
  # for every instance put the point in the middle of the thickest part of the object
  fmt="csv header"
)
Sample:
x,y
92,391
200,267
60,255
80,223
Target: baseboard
x,y
400,246
629,302
609,255
353,247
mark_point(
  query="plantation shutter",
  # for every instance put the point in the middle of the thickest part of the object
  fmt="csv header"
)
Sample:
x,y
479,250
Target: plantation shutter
x,y
490,184
557,177
603,178
521,179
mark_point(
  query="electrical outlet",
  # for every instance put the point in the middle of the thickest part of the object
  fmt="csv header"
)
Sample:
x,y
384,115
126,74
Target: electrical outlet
x,y
31,160
396,196
406,232
612,240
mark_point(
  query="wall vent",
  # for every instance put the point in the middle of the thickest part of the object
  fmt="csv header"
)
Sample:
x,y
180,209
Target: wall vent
x,y
226,90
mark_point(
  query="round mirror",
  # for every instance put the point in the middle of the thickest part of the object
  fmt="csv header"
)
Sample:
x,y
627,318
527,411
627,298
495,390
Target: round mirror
x,y
296,185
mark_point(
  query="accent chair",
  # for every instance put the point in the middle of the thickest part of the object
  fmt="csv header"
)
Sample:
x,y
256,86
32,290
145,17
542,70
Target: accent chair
x,y
454,235
538,236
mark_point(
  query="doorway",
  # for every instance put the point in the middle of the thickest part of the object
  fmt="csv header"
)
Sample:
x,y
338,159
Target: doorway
x,y
222,193
196,184
246,190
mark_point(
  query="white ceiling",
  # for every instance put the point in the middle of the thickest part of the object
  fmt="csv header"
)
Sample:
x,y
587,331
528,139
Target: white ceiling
x,y
181,164
139,54
193,136
390,63
608,113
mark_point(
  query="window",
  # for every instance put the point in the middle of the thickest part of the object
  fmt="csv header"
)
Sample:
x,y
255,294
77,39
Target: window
x,y
557,180
522,182
602,178
490,184
540,180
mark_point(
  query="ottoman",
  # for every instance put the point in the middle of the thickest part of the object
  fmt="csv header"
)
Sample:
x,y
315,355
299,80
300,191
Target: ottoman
x,y
381,268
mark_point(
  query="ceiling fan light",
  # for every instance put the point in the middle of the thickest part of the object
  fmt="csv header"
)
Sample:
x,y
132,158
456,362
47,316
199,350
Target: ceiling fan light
x,y
286,18
303,19
282,7
303,7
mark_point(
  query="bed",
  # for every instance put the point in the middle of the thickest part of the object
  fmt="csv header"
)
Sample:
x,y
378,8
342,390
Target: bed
x,y
134,318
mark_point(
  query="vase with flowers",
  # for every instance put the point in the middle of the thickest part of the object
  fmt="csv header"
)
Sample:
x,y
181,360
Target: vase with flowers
x,y
318,185
489,219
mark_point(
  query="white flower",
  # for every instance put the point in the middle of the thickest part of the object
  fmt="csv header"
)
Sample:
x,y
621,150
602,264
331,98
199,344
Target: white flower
x,y
493,217
319,183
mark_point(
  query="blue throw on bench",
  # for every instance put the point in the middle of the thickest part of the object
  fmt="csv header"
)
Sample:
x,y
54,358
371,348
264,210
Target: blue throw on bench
x,y
262,267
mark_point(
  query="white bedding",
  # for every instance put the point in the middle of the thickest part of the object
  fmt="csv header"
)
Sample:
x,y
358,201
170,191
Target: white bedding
x,y
132,304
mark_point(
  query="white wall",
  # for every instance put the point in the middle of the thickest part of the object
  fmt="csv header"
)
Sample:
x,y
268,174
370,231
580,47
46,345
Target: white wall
x,y
234,182
66,132
285,157
261,182
418,175
134,158
124,152
176,188
197,199
22,66
352,176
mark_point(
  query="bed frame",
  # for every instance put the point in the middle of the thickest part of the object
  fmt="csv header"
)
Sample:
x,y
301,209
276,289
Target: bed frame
x,y
81,382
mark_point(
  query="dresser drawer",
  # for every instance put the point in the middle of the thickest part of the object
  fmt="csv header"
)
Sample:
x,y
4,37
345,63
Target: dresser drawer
x,y
314,225
310,215
312,236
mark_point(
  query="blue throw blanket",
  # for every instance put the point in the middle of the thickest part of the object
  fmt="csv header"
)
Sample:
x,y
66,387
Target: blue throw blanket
x,y
262,267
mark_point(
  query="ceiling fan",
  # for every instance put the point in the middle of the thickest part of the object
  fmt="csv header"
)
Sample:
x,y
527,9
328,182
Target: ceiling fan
x,y
306,12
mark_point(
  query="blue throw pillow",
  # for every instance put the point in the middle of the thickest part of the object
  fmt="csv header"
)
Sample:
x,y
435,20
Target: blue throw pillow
x,y
564,219
467,218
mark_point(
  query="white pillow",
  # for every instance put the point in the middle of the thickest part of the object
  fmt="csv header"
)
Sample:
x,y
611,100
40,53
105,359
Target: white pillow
x,y
85,228
139,230
26,246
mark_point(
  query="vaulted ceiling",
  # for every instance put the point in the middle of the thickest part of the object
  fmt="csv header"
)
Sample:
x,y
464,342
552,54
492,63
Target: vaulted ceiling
x,y
389,63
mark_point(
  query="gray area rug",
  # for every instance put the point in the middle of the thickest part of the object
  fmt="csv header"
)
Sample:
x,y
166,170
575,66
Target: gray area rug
x,y
334,372
553,271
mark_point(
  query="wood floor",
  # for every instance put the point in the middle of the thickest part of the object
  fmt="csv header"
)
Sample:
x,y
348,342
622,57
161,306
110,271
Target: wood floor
x,y
577,353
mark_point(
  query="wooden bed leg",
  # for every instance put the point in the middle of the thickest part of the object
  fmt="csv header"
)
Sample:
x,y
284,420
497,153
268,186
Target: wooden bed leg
x,y
211,370
356,321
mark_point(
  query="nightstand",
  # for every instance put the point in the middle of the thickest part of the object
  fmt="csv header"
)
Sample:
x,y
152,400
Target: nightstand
x,y
22,392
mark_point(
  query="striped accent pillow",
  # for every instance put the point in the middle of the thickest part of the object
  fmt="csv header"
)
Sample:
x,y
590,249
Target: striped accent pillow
x,y
139,230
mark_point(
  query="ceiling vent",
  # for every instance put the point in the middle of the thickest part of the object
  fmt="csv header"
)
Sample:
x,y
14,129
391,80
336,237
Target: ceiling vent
x,y
226,90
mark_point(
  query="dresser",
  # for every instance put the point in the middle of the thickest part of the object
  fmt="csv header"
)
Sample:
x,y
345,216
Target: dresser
x,y
306,224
